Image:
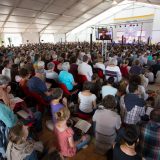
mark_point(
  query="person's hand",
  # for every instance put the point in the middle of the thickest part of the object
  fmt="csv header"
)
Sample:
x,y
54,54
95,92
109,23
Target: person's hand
x,y
64,101
84,138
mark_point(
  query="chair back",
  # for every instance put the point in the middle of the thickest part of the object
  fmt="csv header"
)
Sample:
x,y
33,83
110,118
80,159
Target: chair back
x,y
64,88
81,78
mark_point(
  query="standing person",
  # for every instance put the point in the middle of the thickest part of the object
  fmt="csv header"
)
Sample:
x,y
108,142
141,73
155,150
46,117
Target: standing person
x,y
85,69
65,135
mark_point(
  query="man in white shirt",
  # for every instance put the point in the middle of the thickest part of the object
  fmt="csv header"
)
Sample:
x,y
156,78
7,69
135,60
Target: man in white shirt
x,y
7,68
85,69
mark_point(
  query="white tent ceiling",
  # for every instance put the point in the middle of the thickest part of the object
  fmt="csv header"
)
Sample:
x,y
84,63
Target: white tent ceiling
x,y
50,16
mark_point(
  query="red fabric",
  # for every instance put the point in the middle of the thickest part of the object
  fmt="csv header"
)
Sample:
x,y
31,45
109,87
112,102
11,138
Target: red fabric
x,y
84,116
100,73
39,99
56,64
124,71
64,88
81,78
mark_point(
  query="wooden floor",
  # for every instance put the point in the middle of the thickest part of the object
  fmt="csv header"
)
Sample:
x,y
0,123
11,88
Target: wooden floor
x,y
47,138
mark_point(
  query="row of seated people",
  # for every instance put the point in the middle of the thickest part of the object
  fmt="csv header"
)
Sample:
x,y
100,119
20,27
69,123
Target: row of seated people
x,y
123,105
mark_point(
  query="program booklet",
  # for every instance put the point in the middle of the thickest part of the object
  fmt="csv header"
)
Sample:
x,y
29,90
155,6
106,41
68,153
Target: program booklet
x,y
23,114
83,125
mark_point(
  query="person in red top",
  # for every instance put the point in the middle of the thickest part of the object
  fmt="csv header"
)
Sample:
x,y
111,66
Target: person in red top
x,y
55,61
124,68
64,134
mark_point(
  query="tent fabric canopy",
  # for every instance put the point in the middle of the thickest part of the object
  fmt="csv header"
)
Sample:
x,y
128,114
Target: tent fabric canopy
x,y
50,16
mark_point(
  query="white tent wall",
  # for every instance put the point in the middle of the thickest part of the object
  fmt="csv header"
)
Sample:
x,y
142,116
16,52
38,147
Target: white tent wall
x,y
59,38
31,37
156,27
135,9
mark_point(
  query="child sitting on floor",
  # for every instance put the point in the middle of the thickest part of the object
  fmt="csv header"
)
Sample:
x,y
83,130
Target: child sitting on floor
x,y
20,147
65,135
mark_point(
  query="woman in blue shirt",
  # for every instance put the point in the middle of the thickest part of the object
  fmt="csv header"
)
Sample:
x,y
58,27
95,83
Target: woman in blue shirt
x,y
65,77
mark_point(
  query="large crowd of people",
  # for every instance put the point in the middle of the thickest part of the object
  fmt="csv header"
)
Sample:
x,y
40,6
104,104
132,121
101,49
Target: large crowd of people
x,y
67,81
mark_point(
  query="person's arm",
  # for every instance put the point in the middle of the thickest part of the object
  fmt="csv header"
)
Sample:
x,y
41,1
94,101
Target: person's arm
x,y
71,142
7,116
72,80
94,104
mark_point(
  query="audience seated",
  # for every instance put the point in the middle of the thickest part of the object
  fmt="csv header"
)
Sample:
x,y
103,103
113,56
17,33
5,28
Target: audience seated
x,y
39,69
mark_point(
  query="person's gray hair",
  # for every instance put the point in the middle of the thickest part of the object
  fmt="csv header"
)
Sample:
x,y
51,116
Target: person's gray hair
x,y
65,66
113,61
41,71
50,65
4,79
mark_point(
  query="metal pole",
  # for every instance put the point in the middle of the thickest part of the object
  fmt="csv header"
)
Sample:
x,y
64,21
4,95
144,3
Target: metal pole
x,y
91,43
141,31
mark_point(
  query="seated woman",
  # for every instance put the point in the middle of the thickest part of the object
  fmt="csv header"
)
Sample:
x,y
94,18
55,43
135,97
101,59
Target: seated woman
x,y
126,150
7,118
67,78
87,100
65,135
107,122
112,67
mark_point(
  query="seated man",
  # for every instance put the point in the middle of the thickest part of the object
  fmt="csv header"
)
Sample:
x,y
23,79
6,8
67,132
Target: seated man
x,y
85,69
132,107
38,85
150,135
